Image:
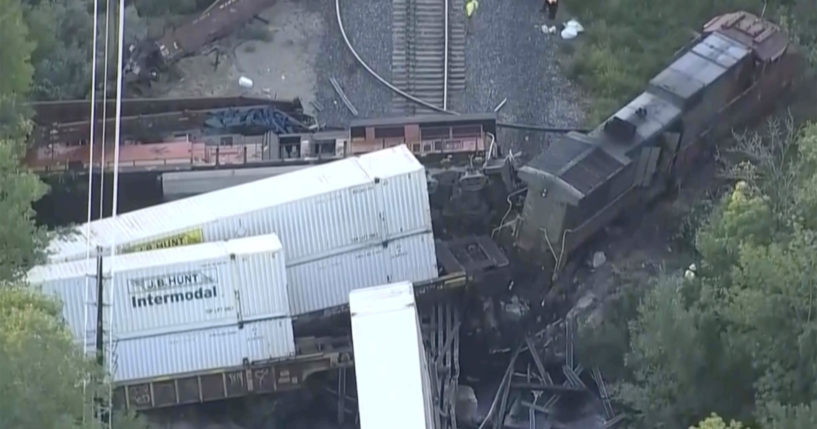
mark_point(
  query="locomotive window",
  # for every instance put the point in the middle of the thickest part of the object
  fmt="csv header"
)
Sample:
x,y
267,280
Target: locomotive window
x,y
434,133
415,147
226,141
466,130
438,145
358,132
388,132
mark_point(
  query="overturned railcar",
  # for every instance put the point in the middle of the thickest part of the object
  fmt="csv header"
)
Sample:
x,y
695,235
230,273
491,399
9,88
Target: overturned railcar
x,y
733,72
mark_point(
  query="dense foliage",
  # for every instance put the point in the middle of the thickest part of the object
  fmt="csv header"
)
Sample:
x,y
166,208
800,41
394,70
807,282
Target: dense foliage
x,y
629,41
740,339
61,32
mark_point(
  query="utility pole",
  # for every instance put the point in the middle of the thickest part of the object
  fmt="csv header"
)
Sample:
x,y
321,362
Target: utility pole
x,y
102,407
100,287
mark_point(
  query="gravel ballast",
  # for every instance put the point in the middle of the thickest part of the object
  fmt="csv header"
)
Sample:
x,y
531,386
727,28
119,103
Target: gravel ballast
x,y
507,56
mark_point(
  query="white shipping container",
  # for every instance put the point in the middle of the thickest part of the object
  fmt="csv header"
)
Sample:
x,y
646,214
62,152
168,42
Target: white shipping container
x,y
316,212
169,290
393,387
326,283
202,350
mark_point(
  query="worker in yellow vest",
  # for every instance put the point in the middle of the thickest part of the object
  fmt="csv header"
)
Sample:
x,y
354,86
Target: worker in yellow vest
x,y
552,6
471,6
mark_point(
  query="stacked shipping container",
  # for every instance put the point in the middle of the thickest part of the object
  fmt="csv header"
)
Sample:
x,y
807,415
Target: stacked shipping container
x,y
187,301
352,223
349,224
316,212
391,368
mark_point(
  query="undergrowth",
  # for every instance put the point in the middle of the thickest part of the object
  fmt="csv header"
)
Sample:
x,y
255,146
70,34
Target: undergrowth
x,y
627,42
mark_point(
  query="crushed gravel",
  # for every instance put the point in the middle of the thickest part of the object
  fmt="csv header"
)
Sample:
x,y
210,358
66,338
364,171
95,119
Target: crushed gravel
x,y
507,56
368,26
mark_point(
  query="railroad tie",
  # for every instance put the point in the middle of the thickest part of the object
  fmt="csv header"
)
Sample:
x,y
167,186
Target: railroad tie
x,y
419,55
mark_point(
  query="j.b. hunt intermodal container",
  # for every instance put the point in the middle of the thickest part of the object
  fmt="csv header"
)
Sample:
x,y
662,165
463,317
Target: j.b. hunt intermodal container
x,y
175,289
316,212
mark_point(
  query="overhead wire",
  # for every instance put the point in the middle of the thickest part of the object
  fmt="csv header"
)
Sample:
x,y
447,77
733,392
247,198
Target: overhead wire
x,y
104,111
115,202
377,76
92,137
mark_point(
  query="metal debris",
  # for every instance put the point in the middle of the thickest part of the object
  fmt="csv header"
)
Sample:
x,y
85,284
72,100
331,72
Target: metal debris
x,y
342,96
501,104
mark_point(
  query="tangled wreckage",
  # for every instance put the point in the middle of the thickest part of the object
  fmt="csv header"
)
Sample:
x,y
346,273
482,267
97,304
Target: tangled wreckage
x,y
455,229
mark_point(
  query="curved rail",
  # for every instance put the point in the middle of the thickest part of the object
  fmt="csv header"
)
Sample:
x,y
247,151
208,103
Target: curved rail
x,y
377,76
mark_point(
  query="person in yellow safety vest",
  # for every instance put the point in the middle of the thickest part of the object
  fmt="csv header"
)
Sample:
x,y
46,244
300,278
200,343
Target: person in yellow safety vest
x,y
471,6
552,6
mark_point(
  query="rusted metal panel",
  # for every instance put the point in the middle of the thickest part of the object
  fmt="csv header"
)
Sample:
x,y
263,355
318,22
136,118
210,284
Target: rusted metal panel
x,y
215,23
233,382
66,111
766,39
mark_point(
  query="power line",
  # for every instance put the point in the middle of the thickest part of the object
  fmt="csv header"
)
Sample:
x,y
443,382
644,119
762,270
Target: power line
x,y
90,195
104,110
115,208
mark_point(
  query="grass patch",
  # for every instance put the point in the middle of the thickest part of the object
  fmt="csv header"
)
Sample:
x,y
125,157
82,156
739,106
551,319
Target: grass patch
x,y
249,47
627,42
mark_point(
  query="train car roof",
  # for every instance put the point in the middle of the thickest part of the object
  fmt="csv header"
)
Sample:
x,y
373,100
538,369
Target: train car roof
x,y
585,161
765,39
637,123
698,68
578,162
422,119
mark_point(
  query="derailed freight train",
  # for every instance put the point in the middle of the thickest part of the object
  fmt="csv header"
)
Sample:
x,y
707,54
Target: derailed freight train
x,y
732,73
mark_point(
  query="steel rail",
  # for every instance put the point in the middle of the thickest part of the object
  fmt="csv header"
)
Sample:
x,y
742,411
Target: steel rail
x,y
377,76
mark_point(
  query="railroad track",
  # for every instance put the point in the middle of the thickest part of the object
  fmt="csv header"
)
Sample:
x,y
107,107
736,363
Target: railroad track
x,y
428,52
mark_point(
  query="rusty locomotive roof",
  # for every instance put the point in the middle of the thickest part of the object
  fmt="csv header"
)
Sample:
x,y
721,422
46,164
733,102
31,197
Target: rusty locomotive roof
x,y
767,40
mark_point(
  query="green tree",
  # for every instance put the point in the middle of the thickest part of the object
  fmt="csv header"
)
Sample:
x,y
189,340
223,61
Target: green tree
x,y
19,236
715,422
777,416
15,50
683,366
41,370
741,338
61,31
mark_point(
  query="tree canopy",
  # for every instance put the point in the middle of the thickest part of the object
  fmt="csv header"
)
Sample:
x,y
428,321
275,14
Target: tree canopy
x,y
740,339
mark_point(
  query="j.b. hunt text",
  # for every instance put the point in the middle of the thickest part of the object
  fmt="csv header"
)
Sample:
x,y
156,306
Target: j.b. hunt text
x,y
171,281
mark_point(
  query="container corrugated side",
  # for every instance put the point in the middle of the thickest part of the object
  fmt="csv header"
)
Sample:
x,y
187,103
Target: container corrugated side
x,y
202,350
385,345
182,220
316,212
403,189
174,289
326,283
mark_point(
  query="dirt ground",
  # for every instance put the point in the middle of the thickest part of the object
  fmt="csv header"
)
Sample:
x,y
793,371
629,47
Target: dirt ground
x,y
281,67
